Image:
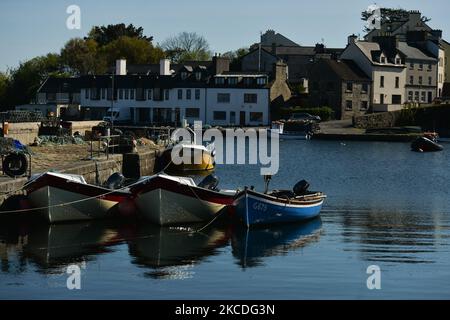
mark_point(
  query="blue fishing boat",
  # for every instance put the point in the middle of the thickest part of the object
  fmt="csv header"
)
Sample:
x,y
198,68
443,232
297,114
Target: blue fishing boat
x,y
278,206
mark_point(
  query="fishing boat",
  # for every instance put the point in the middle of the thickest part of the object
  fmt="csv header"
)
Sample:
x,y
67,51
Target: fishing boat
x,y
168,200
62,197
196,157
278,206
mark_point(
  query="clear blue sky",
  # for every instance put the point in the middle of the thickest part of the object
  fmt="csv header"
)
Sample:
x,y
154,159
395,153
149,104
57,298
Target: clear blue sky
x,y
29,28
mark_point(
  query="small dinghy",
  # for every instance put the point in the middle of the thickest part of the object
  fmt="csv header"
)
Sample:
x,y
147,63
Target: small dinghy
x,y
278,206
424,144
170,200
66,197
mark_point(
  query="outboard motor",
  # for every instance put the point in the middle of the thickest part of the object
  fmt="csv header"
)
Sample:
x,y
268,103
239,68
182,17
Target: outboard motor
x,y
301,188
115,181
210,182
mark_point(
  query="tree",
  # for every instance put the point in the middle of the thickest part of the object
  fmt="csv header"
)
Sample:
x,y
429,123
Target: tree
x,y
187,46
4,86
104,35
81,57
134,50
236,58
390,15
26,79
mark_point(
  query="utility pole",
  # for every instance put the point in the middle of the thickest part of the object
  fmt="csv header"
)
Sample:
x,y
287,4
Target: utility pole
x,y
112,103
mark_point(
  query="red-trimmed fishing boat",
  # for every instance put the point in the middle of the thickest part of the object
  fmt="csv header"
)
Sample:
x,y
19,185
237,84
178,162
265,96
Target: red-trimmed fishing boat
x,y
65,197
170,200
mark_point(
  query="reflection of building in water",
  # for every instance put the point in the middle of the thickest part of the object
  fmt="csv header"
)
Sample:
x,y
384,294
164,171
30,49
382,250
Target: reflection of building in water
x,y
397,237
251,246
171,252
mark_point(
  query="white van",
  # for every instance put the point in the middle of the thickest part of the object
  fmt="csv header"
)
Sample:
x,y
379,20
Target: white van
x,y
118,115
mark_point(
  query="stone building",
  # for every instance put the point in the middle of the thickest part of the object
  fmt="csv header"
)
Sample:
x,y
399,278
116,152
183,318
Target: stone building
x,y
340,85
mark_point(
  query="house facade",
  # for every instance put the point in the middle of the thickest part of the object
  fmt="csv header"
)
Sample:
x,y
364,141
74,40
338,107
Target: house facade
x,y
421,75
385,65
192,93
340,85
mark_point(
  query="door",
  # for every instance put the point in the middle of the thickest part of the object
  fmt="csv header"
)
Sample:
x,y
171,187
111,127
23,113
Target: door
x,y
177,117
381,98
242,118
430,97
232,117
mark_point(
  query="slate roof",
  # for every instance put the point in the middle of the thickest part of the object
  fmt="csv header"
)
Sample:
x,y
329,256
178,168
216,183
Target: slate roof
x,y
347,70
414,53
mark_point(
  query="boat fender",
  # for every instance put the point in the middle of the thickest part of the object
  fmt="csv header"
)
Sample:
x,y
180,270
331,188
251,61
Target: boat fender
x,y
301,187
115,181
15,165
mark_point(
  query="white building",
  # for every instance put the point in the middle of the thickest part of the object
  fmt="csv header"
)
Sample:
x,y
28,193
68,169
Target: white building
x,y
385,66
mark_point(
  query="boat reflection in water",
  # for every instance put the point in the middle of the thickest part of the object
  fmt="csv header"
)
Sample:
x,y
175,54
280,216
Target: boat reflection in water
x,y
172,251
251,246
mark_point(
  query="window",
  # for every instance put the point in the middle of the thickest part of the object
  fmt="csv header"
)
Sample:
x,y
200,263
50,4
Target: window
x,y
396,99
420,80
397,82
261,81
256,117
127,94
398,61
348,105
183,75
197,94
220,115
441,62
430,81
330,86
220,81
232,81
365,88
149,94
248,81
188,94
364,105
430,67
166,94
103,94
410,96
132,94
383,60
416,96
223,98
121,94
198,76
349,87
411,80
87,94
423,96
382,82
250,98
411,66
192,113
180,94
420,66
441,78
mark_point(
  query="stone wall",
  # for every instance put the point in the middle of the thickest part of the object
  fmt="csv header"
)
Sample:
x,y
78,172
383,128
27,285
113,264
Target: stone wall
x,y
377,120
26,132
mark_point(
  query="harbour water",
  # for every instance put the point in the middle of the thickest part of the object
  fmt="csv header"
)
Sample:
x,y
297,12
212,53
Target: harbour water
x,y
386,206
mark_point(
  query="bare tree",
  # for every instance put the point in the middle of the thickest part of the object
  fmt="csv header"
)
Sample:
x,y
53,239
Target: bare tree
x,y
186,46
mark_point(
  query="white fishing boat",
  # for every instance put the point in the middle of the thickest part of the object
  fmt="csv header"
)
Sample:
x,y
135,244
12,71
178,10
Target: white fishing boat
x,y
169,200
66,197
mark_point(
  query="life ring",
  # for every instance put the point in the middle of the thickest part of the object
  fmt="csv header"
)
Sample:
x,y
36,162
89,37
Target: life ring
x,y
15,165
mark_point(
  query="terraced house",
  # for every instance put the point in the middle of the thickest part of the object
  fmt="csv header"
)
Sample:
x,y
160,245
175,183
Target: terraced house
x,y
208,92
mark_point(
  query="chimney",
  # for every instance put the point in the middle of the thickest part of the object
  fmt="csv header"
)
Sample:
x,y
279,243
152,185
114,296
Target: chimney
x,y
280,71
220,65
164,67
121,67
352,39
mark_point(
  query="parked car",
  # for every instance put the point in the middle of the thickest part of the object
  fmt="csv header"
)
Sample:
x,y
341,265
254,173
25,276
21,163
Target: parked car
x,y
302,116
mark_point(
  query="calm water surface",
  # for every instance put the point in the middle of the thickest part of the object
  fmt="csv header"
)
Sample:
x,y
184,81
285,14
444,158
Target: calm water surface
x,y
386,206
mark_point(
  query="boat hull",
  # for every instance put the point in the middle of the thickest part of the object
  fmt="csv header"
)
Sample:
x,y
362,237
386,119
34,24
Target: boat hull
x,y
61,200
253,208
165,202
207,162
